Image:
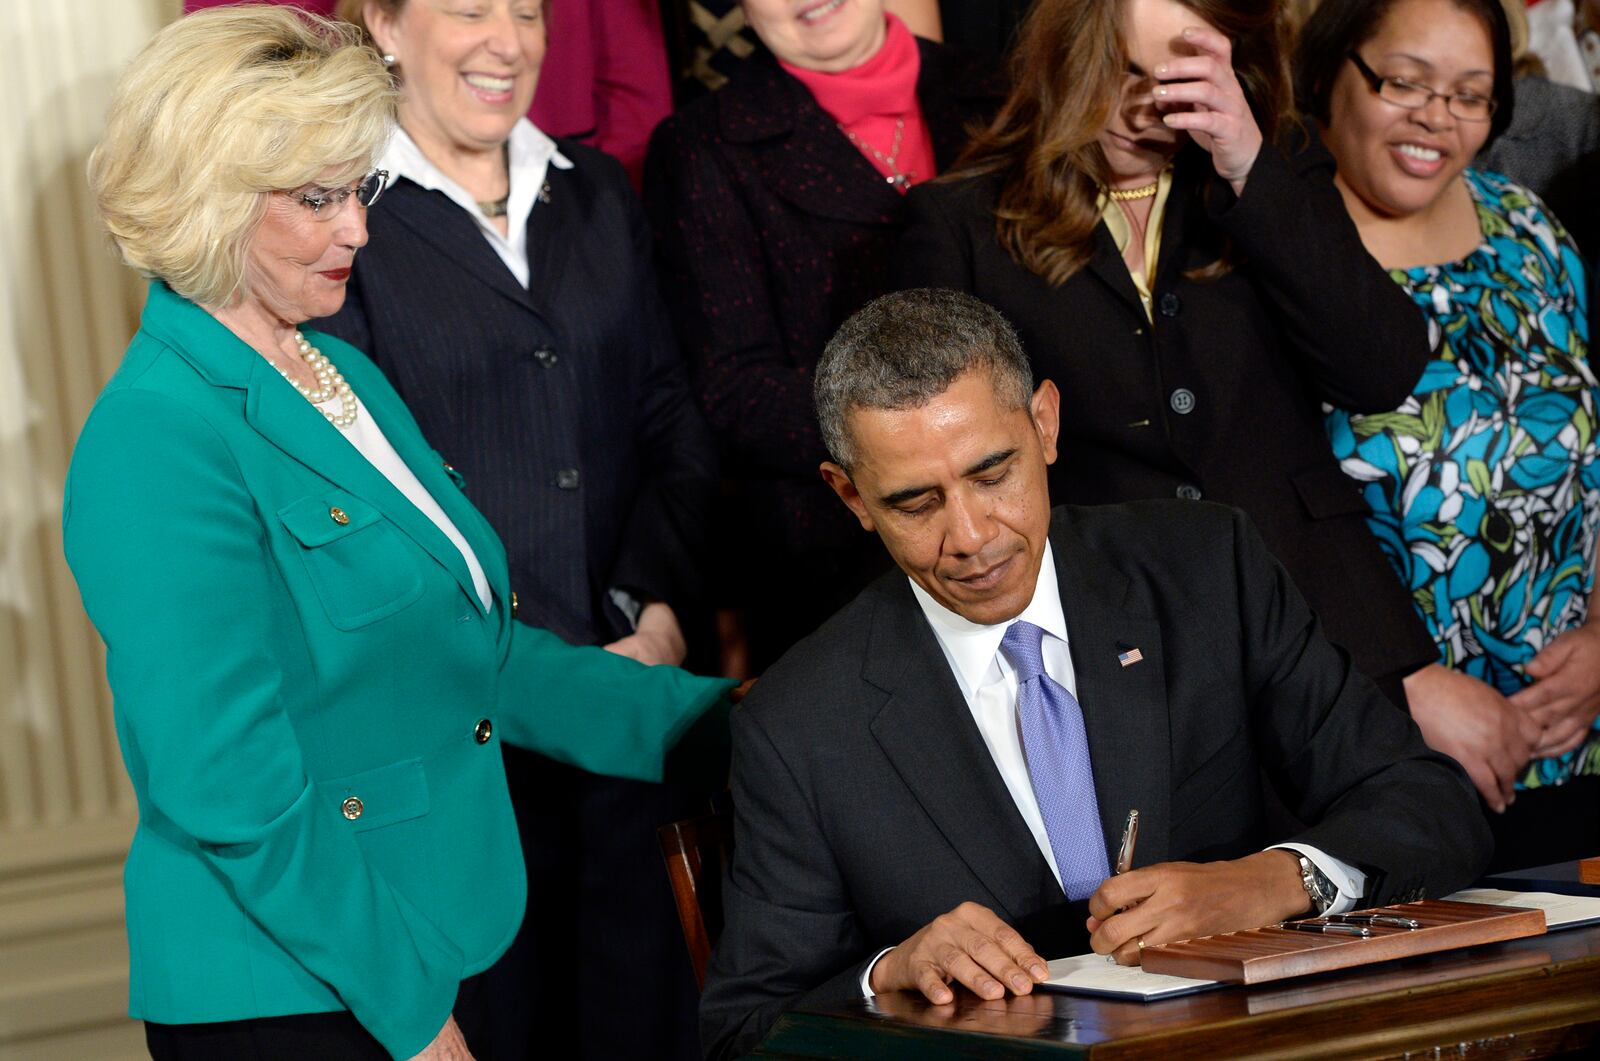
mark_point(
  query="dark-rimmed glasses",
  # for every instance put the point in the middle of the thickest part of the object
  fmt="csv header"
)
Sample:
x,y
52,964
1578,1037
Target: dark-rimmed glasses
x,y
366,190
1467,106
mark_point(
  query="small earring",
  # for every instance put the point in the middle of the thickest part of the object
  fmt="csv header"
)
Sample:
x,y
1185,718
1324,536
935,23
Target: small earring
x,y
388,59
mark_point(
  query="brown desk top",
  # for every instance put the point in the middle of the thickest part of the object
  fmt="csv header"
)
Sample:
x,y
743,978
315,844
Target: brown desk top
x,y
1524,998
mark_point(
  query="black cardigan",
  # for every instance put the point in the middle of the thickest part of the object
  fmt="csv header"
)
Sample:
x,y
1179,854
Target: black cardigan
x,y
772,229
1222,397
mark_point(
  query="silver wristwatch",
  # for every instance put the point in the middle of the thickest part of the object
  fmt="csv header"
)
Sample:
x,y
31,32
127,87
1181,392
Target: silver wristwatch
x,y
1319,889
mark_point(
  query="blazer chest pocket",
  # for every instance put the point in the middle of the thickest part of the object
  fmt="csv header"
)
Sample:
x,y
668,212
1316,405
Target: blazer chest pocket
x,y
357,562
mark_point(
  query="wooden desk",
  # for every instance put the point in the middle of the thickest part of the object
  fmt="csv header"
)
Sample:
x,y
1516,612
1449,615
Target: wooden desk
x,y
1537,997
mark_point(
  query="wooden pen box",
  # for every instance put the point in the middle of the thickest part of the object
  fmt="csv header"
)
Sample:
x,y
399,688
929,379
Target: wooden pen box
x,y
1262,954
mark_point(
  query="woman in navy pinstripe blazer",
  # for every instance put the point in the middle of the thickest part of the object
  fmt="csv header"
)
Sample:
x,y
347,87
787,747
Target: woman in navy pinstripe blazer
x,y
507,292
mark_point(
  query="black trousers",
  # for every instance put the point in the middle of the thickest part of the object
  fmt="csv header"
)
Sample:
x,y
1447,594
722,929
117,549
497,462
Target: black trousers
x,y
599,969
325,1036
1560,823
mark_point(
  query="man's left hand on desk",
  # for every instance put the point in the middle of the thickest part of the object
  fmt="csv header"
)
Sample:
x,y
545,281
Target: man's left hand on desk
x,y
1181,900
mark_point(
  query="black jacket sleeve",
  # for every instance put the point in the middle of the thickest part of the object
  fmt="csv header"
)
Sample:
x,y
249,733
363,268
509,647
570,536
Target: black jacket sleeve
x,y
1341,754
783,885
1360,339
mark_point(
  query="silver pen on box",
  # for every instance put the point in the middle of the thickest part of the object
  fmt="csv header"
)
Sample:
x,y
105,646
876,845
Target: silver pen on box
x,y
1326,928
1391,920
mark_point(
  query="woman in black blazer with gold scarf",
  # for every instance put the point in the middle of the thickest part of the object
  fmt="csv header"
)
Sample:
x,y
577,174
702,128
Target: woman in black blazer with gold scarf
x,y
1191,282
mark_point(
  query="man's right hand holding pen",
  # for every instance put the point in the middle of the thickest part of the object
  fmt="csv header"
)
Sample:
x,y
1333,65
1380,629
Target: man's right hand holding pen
x,y
1181,900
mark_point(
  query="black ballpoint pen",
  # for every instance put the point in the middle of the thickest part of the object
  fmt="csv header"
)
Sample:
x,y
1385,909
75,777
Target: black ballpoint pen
x,y
1392,920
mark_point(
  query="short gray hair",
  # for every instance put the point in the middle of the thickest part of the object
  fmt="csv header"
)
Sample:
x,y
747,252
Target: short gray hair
x,y
901,351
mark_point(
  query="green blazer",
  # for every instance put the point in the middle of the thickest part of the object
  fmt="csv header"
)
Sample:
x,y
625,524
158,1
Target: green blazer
x,y
310,696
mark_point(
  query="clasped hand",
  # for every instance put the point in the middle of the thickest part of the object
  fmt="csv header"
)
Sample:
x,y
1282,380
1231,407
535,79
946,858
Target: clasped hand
x,y
1565,695
1472,723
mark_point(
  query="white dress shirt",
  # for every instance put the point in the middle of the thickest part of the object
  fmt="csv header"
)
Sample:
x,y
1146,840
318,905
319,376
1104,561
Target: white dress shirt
x,y
529,155
370,441
988,681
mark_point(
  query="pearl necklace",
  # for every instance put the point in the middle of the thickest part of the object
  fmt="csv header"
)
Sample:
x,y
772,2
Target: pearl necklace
x,y
1125,195
896,180
330,385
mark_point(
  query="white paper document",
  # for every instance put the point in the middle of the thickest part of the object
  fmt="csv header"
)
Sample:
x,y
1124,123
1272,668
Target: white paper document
x,y
1560,911
1093,974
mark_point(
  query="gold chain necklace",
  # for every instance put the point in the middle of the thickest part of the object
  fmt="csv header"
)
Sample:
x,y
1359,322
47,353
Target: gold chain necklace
x,y
1126,195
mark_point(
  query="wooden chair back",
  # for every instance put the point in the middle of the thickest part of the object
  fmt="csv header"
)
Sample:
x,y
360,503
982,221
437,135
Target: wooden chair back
x,y
696,850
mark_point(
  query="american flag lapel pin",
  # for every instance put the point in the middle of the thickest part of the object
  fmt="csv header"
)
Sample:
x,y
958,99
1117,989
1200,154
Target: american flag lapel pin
x,y
1130,657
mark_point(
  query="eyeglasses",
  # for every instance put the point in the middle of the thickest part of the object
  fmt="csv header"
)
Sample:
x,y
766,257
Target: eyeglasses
x,y
366,191
1467,106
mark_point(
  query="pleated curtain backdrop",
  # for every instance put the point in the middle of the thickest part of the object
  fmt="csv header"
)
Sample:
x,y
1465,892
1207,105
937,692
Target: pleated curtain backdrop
x,y
67,308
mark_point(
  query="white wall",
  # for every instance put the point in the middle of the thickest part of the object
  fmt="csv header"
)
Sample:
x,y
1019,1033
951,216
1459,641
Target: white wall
x,y
67,309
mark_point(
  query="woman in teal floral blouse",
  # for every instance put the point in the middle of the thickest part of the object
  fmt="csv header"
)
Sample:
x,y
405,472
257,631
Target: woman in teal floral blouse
x,y
1484,485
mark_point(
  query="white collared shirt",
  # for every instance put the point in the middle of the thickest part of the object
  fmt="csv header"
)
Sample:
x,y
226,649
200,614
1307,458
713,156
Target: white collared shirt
x,y
988,681
529,156
370,441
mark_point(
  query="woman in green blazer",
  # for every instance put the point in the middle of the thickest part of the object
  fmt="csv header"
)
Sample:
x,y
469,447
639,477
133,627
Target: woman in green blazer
x,y
310,639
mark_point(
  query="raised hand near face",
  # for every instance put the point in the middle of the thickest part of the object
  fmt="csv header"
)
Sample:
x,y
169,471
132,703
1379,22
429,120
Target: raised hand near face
x,y
1201,95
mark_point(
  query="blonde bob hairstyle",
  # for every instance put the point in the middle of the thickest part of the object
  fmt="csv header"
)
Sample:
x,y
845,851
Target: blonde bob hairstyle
x,y
221,109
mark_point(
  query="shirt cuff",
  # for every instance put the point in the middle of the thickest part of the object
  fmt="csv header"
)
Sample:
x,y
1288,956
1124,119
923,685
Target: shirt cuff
x,y
1350,882
866,977
629,605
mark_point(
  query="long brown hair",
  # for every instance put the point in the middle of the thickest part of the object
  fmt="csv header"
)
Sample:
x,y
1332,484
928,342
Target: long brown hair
x,y
1068,70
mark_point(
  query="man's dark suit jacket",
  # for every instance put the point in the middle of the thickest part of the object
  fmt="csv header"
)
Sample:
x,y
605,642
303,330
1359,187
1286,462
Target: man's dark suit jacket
x,y
565,405
1222,395
773,228
867,803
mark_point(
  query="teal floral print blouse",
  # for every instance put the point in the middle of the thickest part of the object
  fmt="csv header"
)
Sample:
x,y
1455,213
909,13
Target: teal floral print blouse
x,y
1484,485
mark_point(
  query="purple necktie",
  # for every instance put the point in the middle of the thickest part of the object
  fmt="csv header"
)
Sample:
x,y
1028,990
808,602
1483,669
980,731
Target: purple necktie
x,y
1057,749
